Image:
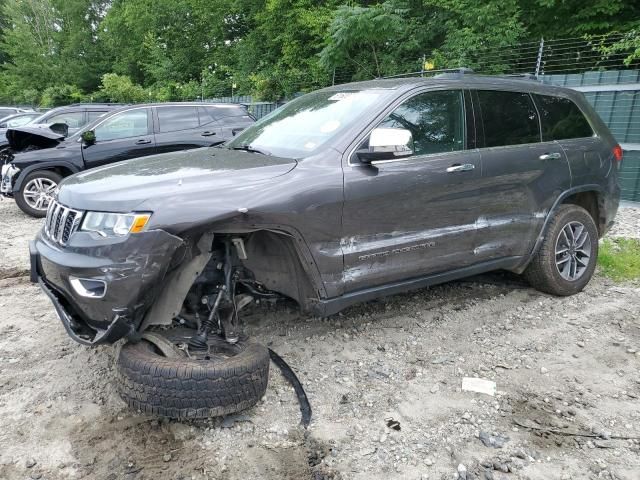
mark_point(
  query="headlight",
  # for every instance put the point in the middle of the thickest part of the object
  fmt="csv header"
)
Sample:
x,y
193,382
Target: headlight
x,y
114,224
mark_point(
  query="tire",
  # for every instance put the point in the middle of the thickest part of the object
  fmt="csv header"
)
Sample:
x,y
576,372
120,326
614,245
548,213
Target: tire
x,y
183,388
49,181
545,274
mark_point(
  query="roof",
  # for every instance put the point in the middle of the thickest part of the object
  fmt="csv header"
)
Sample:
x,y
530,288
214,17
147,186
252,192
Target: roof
x,y
450,80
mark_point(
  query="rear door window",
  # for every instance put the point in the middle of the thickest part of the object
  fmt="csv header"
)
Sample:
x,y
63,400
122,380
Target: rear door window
x,y
93,114
509,118
561,119
173,119
435,119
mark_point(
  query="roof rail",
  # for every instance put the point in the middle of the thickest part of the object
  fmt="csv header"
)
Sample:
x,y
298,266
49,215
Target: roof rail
x,y
523,76
444,71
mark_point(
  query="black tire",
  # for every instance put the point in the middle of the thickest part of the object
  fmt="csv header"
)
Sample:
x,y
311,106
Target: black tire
x,y
183,388
543,273
22,202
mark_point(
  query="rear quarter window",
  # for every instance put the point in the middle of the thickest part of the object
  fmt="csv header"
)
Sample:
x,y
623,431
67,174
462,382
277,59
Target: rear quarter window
x,y
509,118
561,119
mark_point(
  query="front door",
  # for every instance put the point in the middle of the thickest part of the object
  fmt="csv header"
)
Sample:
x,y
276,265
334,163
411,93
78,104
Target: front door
x,y
122,136
414,216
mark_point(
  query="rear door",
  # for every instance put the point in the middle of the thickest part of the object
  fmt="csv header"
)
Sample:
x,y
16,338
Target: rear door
x,y
522,175
414,216
562,121
124,135
178,128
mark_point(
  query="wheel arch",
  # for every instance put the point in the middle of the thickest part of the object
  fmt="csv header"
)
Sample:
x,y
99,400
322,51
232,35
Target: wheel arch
x,y
590,197
63,169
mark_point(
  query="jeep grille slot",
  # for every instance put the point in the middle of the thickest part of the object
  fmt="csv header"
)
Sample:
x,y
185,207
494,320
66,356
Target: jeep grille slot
x,y
61,222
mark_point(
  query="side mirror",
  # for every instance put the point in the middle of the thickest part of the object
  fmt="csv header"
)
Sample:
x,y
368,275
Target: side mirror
x,y
387,144
88,137
60,128
3,125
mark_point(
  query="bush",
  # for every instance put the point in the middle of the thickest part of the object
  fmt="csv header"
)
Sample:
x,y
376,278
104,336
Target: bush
x,y
120,89
58,95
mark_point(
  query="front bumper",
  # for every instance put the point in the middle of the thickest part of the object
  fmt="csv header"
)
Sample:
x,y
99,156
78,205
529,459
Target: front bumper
x,y
7,174
132,269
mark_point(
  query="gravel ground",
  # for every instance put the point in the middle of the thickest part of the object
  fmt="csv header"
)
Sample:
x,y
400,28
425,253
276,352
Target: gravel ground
x,y
566,406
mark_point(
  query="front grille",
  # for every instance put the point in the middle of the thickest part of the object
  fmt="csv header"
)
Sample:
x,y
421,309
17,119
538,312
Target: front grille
x,y
61,222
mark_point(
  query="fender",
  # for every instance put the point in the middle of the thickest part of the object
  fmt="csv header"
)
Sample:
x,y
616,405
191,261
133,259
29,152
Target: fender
x,y
543,231
41,166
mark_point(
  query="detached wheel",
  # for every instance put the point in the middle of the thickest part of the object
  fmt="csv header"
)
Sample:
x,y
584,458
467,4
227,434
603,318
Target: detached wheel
x,y
37,191
227,379
567,259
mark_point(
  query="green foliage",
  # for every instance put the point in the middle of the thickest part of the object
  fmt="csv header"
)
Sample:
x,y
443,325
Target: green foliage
x,y
120,89
52,51
619,258
58,95
363,35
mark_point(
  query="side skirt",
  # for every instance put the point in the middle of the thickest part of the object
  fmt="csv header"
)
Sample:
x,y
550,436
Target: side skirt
x,y
330,306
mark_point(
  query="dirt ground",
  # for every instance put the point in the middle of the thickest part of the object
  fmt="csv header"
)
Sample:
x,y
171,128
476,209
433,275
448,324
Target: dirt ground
x,y
567,403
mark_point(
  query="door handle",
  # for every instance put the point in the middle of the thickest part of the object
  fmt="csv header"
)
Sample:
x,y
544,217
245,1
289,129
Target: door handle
x,y
550,156
142,141
208,134
465,167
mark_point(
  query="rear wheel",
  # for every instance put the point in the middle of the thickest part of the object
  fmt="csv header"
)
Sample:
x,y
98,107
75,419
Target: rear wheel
x,y
567,258
37,191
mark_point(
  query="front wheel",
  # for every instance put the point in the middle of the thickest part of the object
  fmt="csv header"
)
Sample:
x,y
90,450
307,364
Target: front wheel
x,y
37,191
567,258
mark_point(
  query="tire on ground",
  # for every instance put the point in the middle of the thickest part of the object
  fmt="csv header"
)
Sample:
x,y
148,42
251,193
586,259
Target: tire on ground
x,y
188,388
542,273
22,203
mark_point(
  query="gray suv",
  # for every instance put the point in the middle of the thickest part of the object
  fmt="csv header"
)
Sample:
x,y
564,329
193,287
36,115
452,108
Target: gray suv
x,y
343,195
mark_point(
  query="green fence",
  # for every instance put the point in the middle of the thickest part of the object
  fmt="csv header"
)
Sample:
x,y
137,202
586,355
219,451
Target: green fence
x,y
615,95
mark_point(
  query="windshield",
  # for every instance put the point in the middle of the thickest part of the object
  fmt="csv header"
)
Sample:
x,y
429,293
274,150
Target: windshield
x,y
302,126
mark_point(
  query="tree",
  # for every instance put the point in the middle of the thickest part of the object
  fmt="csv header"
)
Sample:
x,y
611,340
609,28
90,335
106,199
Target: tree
x,y
363,36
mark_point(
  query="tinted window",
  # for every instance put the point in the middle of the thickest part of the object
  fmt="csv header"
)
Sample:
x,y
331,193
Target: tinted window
x,y
73,119
509,118
132,123
92,115
221,111
436,120
561,119
173,119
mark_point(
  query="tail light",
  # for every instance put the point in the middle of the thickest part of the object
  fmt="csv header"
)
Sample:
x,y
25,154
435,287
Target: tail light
x,y
617,153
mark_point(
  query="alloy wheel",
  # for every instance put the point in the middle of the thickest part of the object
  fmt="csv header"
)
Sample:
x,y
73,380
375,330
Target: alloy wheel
x,y
573,251
38,192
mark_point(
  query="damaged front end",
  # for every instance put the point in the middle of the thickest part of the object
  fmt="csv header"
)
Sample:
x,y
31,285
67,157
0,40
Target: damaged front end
x,y
101,289
105,289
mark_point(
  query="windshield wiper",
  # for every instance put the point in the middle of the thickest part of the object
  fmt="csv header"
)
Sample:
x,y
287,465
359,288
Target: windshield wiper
x,y
249,148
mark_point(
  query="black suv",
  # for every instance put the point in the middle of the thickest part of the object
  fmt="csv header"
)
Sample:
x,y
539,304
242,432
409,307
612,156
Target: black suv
x,y
132,131
343,195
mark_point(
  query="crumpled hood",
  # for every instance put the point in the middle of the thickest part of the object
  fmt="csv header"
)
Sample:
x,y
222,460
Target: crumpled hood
x,y
172,181
38,135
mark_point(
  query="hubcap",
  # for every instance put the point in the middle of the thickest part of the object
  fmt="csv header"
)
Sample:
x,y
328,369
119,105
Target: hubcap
x,y
38,191
573,251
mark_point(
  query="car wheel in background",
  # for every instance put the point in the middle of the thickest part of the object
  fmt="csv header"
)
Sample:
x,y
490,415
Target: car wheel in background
x,y
37,191
567,258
